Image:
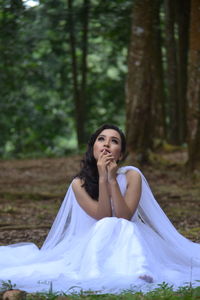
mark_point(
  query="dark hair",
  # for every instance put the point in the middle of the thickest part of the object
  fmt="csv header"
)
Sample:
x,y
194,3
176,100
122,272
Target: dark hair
x,y
89,172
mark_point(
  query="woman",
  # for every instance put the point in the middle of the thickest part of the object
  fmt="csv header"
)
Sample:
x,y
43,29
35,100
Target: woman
x,y
109,235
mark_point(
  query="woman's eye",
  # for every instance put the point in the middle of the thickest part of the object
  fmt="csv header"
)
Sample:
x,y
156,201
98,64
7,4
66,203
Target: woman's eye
x,y
101,138
115,141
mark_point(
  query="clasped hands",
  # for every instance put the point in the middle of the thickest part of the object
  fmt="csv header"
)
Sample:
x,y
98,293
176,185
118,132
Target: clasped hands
x,y
107,166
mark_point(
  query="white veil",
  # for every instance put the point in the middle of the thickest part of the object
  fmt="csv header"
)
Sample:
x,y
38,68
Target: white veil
x,y
61,222
70,221
149,211
152,214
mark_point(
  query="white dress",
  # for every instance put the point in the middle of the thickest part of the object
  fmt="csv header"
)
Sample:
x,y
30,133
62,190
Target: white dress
x,y
106,256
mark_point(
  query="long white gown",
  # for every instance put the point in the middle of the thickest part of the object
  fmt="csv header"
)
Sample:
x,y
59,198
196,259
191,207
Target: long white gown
x,y
109,255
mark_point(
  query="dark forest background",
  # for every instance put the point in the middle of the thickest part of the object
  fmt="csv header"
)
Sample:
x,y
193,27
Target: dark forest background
x,y
68,66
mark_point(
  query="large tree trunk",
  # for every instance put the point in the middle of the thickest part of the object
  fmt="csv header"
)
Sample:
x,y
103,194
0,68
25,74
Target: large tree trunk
x,y
194,88
139,89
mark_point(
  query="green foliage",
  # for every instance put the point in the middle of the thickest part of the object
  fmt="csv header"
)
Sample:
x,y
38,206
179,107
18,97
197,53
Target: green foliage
x,y
36,98
7,285
164,292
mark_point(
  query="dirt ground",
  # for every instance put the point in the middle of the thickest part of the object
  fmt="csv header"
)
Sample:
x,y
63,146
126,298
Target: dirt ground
x,y
31,191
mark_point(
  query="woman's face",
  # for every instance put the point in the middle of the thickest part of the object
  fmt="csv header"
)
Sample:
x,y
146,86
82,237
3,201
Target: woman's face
x,y
108,140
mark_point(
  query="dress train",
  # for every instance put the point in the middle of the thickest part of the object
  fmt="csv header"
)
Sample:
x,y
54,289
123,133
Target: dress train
x,y
109,255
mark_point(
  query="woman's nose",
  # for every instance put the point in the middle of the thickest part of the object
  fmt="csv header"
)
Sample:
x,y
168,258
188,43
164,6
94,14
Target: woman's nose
x,y
106,144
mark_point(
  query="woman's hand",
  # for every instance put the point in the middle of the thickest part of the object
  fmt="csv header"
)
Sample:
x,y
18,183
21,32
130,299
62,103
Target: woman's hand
x,y
104,160
112,170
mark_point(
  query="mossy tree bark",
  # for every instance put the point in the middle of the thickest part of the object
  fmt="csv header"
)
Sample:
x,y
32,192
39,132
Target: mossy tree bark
x,y
194,88
140,85
171,74
159,98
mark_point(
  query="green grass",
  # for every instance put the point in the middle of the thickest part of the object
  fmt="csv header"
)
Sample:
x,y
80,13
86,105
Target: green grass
x,y
162,292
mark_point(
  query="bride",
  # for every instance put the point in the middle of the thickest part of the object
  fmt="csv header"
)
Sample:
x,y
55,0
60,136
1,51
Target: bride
x,y
110,234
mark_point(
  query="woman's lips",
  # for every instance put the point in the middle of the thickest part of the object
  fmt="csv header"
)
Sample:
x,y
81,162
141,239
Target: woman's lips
x,y
105,150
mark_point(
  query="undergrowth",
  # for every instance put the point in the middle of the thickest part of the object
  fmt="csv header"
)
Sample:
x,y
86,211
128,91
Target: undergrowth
x,y
162,292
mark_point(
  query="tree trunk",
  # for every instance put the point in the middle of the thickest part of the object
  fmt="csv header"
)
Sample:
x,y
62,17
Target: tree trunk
x,y
172,84
139,89
183,17
194,88
159,99
83,87
79,86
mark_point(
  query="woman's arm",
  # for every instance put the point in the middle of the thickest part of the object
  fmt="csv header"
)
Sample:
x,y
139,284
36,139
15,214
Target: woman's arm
x,y
101,208
96,209
125,207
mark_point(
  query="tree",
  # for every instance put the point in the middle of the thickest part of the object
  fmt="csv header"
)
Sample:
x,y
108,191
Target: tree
x,y
183,20
140,88
176,41
79,74
33,116
159,97
194,88
172,83
10,15
37,107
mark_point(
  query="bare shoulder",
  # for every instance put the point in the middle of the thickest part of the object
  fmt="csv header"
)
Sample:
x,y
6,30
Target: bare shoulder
x,y
77,183
79,190
133,177
83,198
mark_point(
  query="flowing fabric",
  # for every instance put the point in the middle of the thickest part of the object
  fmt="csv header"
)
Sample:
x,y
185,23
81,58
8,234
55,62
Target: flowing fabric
x,y
109,255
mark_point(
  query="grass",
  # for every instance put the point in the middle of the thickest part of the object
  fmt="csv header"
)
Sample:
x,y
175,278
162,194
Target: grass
x,y
163,291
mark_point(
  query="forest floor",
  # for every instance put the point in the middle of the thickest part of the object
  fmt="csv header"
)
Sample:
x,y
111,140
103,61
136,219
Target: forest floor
x,y
31,191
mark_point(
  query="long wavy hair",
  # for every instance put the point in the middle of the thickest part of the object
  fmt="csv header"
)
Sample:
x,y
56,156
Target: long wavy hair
x,y
89,172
